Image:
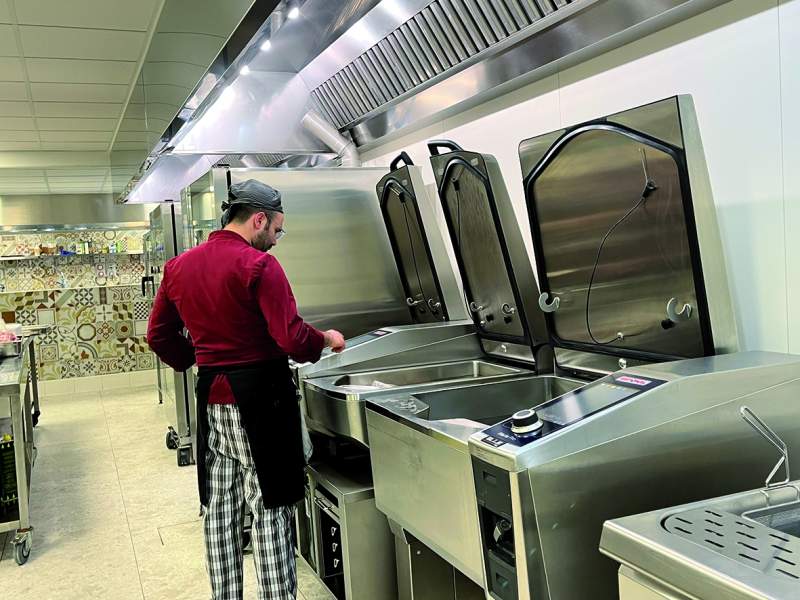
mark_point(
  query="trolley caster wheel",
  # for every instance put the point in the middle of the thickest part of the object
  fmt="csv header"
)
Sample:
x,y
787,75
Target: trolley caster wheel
x,y
22,548
171,440
185,458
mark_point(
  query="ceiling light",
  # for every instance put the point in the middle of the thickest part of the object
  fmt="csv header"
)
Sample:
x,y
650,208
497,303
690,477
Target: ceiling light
x,y
227,94
396,8
226,97
293,13
244,70
265,47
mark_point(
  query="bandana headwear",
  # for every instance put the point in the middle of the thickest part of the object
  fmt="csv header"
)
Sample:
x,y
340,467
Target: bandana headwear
x,y
252,193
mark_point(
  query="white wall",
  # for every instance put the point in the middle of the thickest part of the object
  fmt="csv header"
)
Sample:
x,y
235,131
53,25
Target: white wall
x,y
789,31
741,64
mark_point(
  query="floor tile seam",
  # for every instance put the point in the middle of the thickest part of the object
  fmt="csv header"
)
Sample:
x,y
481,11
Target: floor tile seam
x,y
45,444
74,471
60,396
66,404
133,409
179,524
44,447
141,389
124,503
118,395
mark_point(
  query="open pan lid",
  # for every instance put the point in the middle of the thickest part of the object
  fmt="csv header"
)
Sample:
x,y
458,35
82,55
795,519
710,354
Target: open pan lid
x,y
495,266
402,209
617,234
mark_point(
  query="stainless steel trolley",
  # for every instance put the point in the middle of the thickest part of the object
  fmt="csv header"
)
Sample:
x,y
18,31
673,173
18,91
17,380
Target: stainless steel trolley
x,y
18,396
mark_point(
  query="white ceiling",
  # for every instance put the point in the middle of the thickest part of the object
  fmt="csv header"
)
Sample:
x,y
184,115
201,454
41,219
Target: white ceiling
x,y
67,72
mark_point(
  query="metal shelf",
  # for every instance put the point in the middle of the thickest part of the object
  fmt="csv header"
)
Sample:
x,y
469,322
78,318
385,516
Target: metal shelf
x,y
16,258
61,228
79,287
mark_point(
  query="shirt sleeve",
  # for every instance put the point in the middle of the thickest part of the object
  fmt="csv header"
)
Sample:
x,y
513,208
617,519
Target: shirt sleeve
x,y
165,331
295,337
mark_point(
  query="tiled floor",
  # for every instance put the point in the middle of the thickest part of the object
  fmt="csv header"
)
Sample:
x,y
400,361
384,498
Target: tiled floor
x,y
113,515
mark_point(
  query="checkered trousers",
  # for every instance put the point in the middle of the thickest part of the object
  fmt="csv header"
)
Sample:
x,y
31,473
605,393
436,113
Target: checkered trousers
x,y
232,481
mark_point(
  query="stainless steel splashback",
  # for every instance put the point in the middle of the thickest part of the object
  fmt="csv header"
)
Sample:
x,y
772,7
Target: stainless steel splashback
x,y
626,239
337,254
498,278
421,252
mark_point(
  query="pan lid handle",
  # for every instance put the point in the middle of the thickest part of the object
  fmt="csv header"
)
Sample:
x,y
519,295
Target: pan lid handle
x,y
435,145
402,157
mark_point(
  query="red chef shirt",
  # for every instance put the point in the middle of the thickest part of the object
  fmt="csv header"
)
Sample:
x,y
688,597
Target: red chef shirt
x,y
237,305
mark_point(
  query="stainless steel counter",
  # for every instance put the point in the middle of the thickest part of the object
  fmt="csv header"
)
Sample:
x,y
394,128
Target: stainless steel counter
x,y
13,372
736,547
673,436
421,463
352,544
338,401
17,395
418,438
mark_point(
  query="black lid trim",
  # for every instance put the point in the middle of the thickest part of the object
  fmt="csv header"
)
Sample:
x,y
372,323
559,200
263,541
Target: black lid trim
x,y
390,182
456,159
679,156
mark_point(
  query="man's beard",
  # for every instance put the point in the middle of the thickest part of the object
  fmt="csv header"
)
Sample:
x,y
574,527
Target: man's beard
x,y
261,241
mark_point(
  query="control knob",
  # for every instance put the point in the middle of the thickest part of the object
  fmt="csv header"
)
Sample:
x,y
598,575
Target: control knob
x,y
525,422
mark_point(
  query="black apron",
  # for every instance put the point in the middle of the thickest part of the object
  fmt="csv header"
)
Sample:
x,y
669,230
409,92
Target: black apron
x,y
267,399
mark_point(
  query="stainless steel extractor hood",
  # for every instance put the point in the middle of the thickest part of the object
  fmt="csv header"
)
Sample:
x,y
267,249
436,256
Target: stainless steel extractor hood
x,y
384,77
286,161
390,67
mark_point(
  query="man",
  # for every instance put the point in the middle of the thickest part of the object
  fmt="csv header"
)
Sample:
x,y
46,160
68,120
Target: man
x,y
237,305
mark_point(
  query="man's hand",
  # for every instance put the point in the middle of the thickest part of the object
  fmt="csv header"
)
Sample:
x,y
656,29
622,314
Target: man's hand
x,y
334,340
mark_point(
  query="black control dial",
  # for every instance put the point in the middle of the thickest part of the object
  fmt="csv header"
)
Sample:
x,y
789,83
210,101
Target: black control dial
x,y
525,422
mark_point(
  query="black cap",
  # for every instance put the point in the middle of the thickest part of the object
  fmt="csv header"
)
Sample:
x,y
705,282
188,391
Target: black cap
x,y
252,193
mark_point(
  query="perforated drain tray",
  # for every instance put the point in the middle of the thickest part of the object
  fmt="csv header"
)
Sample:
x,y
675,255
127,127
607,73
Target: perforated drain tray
x,y
746,541
745,546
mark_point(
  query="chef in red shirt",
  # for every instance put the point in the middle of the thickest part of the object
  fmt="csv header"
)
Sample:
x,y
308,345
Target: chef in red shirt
x,y
236,303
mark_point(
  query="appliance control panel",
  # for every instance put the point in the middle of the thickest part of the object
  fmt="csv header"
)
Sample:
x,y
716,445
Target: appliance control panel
x,y
361,339
527,426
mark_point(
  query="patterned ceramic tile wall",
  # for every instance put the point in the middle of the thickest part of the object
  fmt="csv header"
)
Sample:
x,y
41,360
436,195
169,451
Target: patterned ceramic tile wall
x,y
93,300
98,330
58,272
